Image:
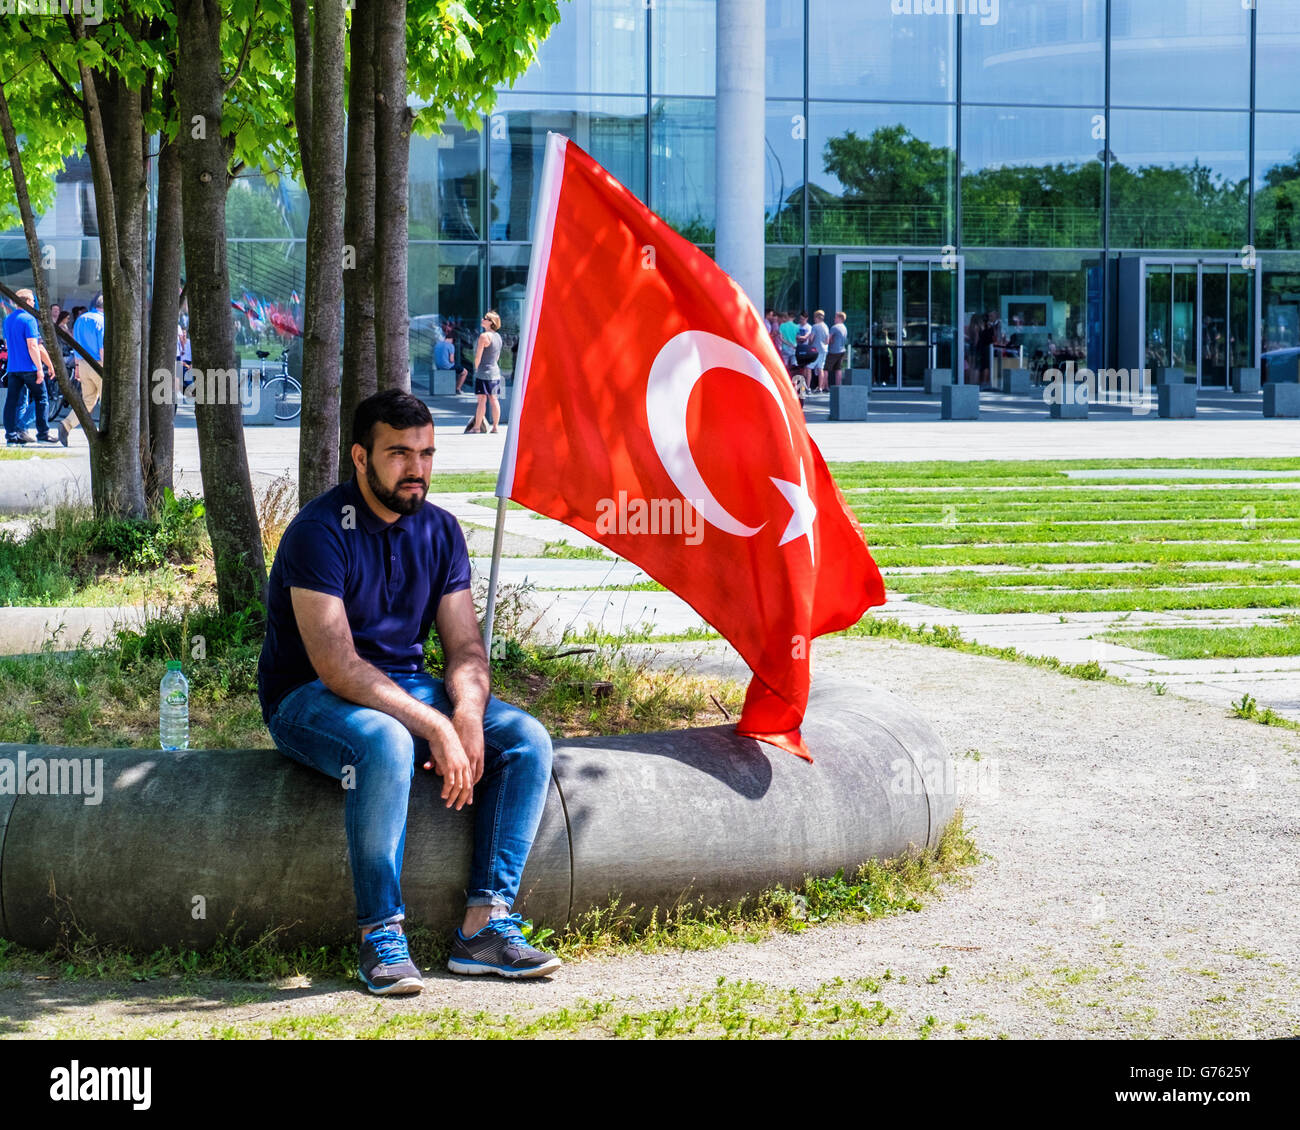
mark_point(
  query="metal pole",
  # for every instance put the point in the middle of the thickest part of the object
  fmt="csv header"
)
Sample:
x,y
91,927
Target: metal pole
x,y
489,615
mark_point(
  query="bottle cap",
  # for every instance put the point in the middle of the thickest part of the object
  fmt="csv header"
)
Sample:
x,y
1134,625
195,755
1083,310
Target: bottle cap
x,y
173,665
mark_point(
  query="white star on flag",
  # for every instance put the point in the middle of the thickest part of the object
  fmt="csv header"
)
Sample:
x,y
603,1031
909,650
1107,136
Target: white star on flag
x,y
805,513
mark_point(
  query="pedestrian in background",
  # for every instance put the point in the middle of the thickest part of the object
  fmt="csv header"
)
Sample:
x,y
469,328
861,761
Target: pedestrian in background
x,y
487,374
837,348
821,337
87,332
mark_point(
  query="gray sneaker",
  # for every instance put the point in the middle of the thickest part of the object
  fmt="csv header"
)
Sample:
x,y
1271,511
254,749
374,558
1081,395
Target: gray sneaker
x,y
500,948
386,966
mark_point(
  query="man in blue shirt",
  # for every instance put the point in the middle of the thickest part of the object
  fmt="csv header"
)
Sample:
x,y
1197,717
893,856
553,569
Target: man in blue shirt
x,y
88,332
360,576
28,363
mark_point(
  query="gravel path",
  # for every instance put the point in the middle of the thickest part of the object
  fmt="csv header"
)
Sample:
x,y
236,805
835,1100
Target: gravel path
x,y
1141,880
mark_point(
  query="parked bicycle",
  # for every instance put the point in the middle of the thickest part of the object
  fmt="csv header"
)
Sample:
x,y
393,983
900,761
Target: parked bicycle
x,y
56,406
285,390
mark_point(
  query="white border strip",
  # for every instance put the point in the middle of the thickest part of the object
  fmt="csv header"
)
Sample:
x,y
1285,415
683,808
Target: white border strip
x,y
548,198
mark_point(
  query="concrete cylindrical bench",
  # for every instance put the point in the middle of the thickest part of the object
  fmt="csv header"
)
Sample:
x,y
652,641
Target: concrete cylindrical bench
x,y
182,847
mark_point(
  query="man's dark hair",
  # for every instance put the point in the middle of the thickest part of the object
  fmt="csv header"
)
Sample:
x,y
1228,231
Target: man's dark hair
x,y
399,410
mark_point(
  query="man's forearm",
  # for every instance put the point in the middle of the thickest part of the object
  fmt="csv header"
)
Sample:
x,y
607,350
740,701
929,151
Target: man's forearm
x,y
363,683
467,682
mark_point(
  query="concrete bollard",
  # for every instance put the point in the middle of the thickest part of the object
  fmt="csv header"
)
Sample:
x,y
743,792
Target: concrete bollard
x,y
1245,380
935,379
1282,400
959,402
850,402
443,382
1176,402
1015,382
184,847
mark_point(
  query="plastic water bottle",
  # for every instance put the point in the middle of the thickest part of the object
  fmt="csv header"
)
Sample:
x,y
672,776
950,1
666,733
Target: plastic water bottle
x,y
174,708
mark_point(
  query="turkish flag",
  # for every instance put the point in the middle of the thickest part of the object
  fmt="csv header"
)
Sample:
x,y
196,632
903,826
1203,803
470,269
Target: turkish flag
x,y
652,412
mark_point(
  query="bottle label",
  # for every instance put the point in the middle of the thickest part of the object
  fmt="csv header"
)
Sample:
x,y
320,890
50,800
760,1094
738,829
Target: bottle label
x,y
177,698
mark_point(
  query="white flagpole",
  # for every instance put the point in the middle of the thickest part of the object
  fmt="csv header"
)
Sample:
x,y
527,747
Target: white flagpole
x,y
543,227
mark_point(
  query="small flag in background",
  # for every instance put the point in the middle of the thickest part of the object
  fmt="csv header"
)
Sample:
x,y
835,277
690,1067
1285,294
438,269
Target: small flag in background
x,y
652,413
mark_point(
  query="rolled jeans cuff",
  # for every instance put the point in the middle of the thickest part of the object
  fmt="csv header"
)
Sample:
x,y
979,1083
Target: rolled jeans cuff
x,y
389,921
485,898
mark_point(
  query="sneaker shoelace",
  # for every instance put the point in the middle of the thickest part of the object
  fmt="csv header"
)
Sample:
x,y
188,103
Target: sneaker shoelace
x,y
390,946
508,926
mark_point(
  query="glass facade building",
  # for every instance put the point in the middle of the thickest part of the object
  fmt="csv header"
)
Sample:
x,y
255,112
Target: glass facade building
x,y
992,182
928,170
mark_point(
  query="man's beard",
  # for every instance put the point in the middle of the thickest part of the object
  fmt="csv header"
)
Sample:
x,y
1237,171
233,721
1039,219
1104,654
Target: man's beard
x,y
398,501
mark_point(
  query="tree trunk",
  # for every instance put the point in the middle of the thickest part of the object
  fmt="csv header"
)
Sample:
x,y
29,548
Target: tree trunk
x,y
204,159
392,154
303,83
115,143
359,380
319,438
163,317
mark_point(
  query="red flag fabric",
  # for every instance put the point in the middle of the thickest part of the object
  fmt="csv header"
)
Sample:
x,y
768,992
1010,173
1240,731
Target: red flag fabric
x,y
653,413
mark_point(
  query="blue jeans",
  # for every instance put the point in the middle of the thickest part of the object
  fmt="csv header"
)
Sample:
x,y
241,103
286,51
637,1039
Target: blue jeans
x,y
18,384
316,727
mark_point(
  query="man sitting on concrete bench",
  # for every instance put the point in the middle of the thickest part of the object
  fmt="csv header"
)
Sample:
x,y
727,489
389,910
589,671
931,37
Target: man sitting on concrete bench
x,y
362,573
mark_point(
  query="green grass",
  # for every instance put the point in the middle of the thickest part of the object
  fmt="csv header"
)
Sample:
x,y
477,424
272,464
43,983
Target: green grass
x,y
460,482
108,696
993,472
1253,642
27,453
1121,600
576,552
74,558
732,1010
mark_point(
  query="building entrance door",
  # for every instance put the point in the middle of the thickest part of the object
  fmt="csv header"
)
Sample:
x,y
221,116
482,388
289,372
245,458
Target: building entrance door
x,y
1196,315
902,313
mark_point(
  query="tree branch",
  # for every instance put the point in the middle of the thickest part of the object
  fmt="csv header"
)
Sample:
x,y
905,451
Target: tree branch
x,y
68,88
243,55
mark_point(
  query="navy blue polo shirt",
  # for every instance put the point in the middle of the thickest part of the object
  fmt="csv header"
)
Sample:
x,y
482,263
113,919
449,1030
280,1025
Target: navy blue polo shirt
x,y
389,577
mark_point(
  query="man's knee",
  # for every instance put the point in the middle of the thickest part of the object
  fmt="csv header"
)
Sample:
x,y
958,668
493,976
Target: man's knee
x,y
381,745
527,741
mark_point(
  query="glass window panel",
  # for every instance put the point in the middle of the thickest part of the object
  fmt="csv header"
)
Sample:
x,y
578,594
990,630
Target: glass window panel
x,y
445,184
1277,47
1280,279
506,289
1030,177
443,291
783,182
612,130
1192,53
682,165
1039,51
783,284
868,51
683,39
784,49
880,175
598,47
1178,179
1036,311
1277,181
